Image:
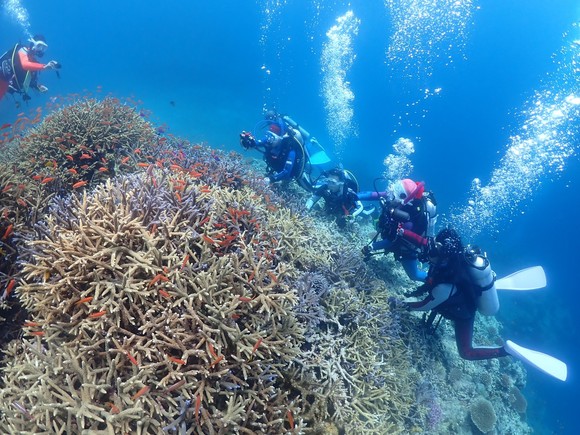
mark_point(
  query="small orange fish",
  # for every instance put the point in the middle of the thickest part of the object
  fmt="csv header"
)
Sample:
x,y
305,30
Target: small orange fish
x,y
97,314
141,392
9,288
114,408
80,184
208,239
156,278
197,407
30,324
47,180
176,360
165,294
216,361
73,171
103,169
185,261
8,232
132,359
37,333
84,300
257,345
290,419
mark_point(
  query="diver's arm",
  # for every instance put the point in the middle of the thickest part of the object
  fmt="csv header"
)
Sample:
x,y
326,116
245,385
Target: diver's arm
x,y
358,210
312,200
285,173
28,65
438,294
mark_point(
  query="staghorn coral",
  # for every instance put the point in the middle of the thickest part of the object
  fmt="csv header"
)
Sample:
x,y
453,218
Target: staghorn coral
x,y
88,140
138,298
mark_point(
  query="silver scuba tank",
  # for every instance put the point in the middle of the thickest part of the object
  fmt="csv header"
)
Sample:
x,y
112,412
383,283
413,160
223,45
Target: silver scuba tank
x,y
483,278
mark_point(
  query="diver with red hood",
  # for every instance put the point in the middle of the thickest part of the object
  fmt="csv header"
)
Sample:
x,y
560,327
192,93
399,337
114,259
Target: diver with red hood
x,y
408,215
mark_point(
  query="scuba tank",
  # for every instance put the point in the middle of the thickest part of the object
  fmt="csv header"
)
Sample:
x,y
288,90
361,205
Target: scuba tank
x,y
483,279
305,135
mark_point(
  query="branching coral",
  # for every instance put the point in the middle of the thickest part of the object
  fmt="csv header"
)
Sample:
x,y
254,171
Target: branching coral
x,y
140,296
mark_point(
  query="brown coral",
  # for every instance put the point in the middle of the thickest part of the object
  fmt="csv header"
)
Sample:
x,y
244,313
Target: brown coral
x,y
482,414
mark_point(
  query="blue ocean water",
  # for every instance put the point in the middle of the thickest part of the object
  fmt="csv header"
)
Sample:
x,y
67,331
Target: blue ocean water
x,y
457,78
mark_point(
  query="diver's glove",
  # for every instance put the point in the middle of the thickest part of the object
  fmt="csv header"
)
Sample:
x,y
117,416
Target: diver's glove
x,y
429,251
53,64
366,252
247,140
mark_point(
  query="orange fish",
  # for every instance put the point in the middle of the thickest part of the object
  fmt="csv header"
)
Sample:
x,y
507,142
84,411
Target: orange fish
x,y
176,360
9,288
84,300
47,180
8,231
132,359
141,392
80,184
97,314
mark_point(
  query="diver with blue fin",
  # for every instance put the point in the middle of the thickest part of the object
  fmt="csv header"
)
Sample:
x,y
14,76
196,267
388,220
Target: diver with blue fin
x,y
283,150
19,68
339,188
301,148
461,283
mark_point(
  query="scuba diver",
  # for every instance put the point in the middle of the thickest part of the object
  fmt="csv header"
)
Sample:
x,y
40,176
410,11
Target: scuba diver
x,y
339,189
19,68
405,206
289,150
460,283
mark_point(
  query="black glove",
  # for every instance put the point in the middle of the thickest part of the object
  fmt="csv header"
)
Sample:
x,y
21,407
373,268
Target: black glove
x,y
429,251
247,140
366,251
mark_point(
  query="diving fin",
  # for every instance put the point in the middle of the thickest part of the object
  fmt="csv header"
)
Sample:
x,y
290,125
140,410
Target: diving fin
x,y
546,363
531,278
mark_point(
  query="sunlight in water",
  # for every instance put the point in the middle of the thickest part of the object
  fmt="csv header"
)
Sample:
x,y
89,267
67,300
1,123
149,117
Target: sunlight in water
x,y
398,164
18,13
547,138
337,59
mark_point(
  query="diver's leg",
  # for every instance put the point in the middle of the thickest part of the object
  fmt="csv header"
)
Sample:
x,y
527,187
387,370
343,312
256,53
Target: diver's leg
x,y
464,338
411,266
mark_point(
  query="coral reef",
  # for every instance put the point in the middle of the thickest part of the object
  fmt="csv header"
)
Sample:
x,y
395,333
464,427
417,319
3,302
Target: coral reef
x,y
175,291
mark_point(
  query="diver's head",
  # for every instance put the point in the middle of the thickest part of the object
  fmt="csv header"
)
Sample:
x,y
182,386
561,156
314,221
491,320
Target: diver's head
x,y
406,190
335,183
271,114
334,179
38,45
447,244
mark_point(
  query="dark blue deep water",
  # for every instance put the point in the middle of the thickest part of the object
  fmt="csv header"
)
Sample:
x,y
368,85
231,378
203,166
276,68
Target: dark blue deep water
x,y
462,80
